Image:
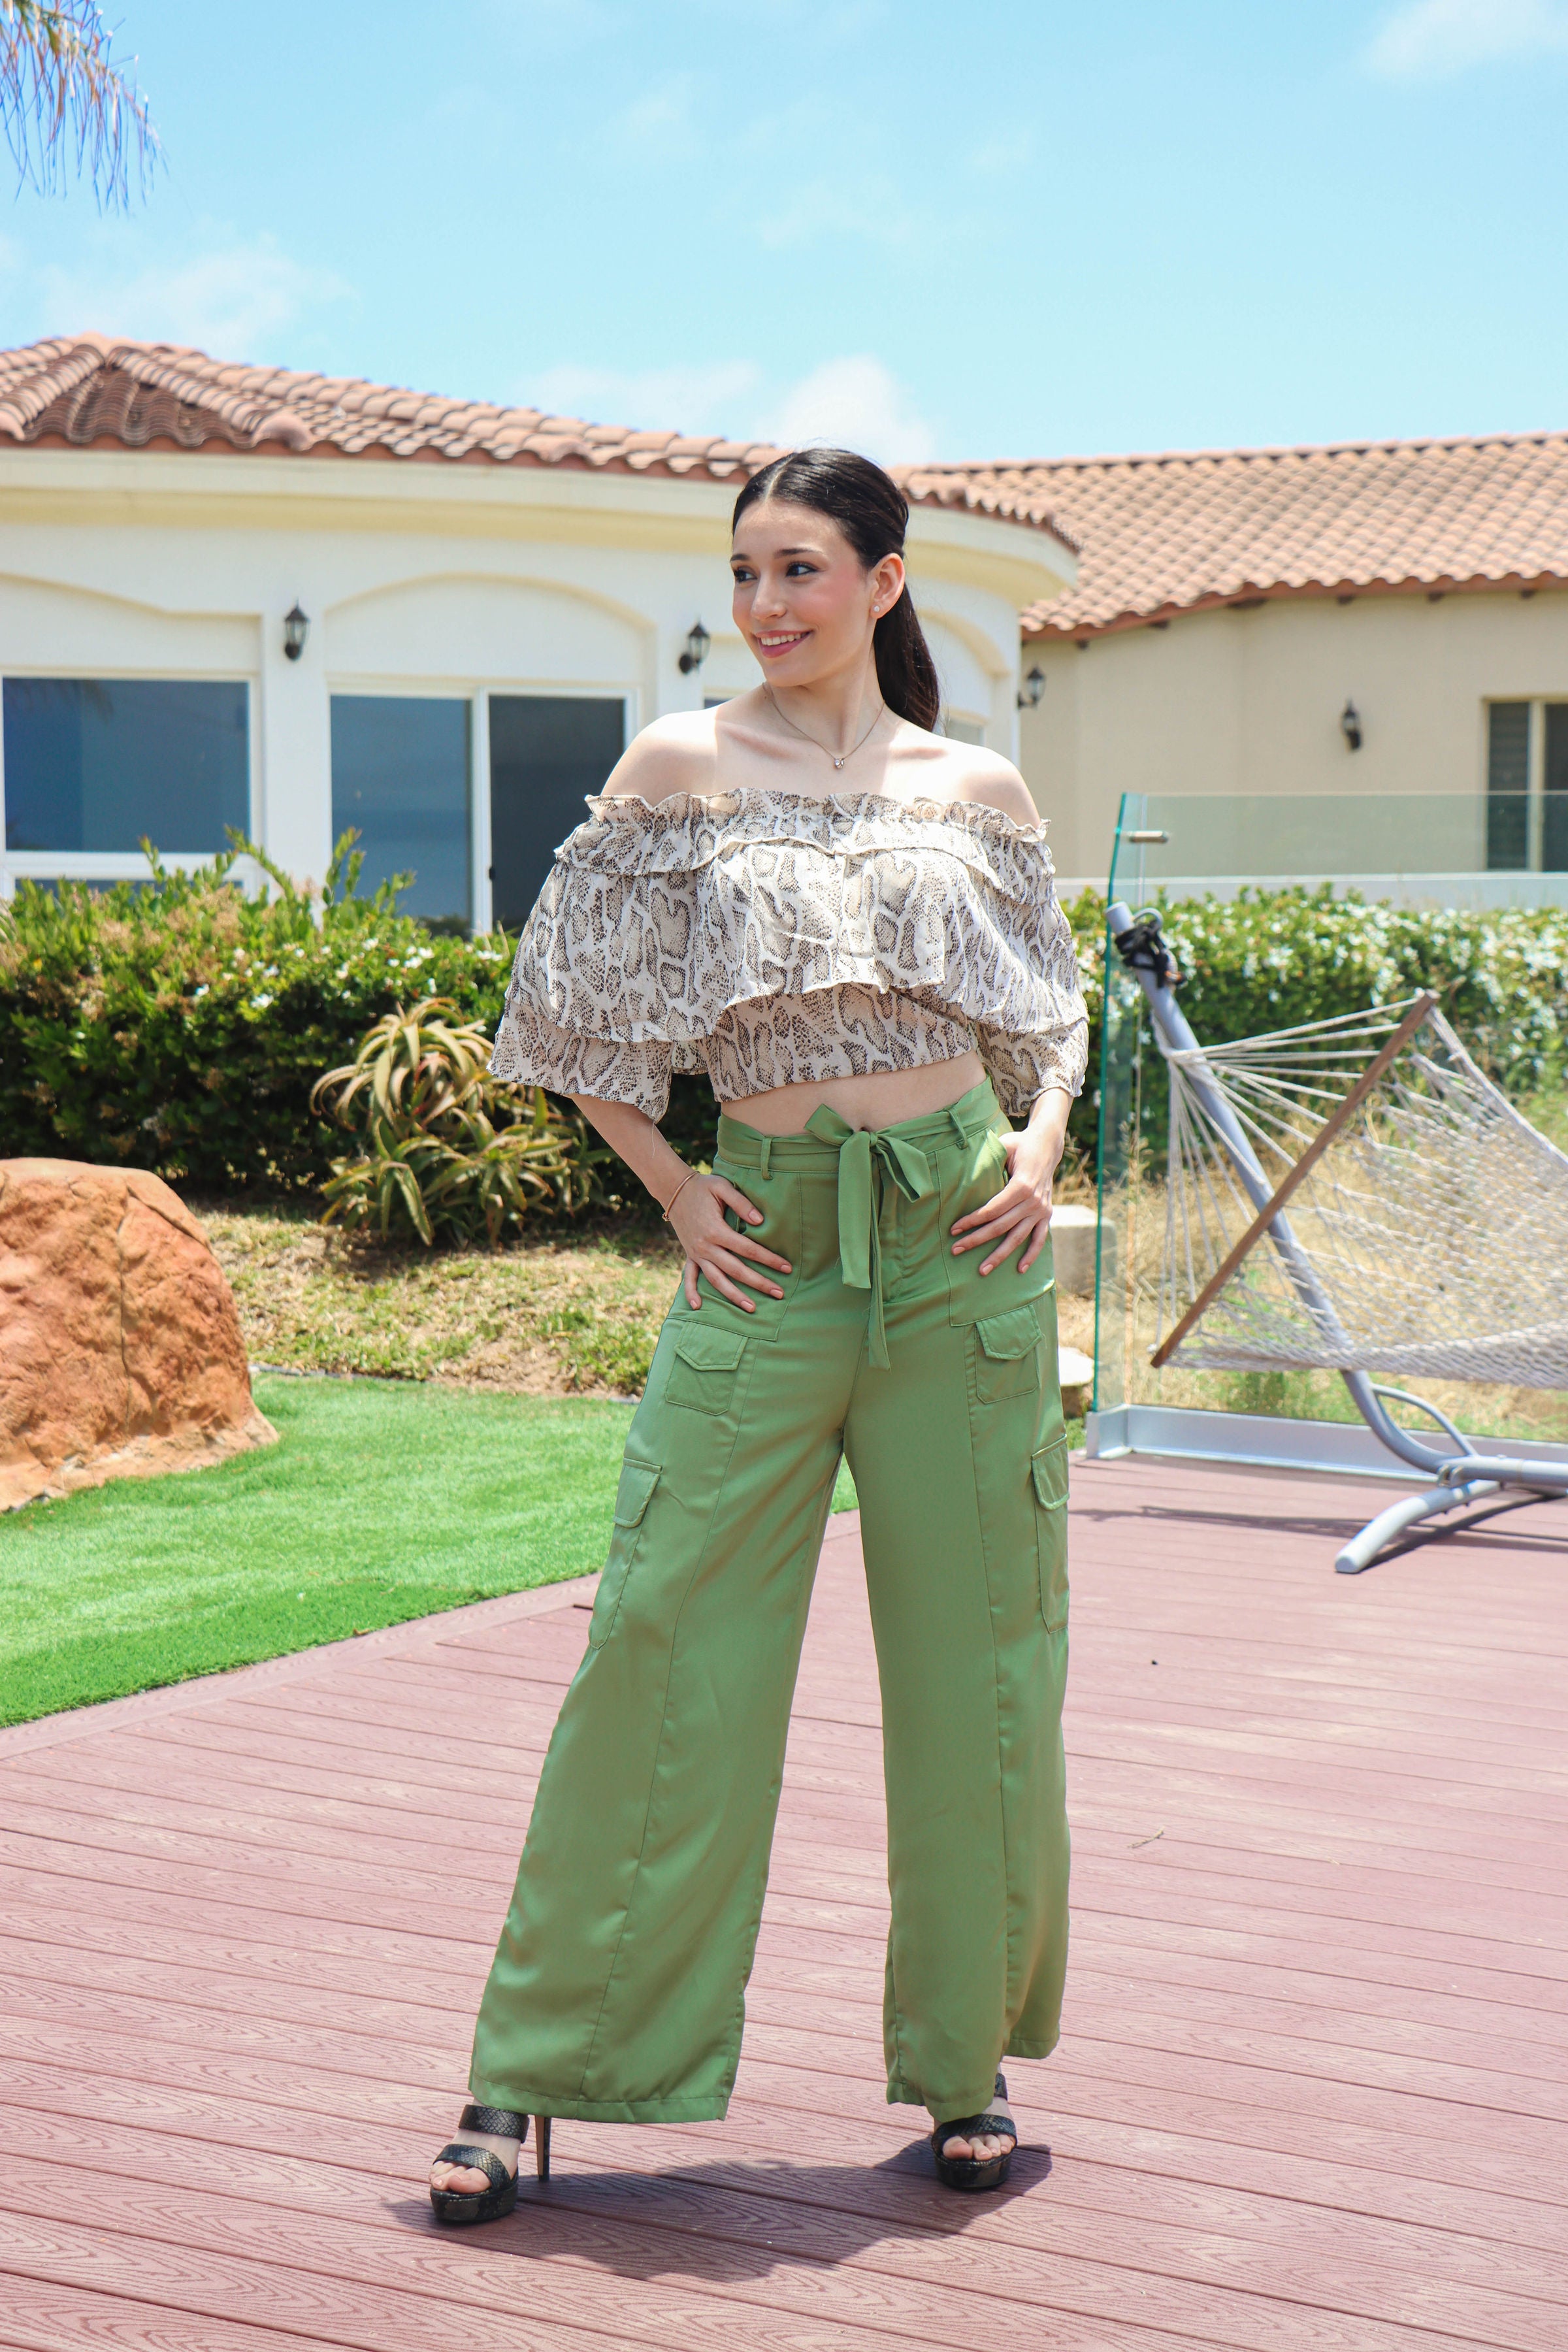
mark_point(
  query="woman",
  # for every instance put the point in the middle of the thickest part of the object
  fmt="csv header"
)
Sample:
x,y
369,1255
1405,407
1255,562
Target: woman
x,y
848,921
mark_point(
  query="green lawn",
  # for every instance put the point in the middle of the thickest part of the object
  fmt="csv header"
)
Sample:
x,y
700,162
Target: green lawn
x,y
383,1500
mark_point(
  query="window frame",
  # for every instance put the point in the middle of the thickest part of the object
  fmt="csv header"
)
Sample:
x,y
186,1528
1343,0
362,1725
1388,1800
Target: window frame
x,y
476,694
107,866
1535,779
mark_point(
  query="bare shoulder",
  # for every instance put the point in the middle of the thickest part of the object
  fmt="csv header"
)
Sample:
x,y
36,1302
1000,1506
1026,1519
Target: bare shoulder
x,y
677,753
995,783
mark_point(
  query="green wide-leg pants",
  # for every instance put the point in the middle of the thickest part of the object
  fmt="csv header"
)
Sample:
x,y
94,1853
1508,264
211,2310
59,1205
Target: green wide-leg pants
x,y
617,1991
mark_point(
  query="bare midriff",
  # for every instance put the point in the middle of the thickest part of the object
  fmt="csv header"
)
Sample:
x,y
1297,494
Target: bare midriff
x,y
882,1098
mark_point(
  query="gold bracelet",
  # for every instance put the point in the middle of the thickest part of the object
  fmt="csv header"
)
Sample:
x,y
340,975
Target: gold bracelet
x,y
689,1178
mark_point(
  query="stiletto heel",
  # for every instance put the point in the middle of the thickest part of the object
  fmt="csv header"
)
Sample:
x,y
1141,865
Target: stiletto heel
x,y
542,2146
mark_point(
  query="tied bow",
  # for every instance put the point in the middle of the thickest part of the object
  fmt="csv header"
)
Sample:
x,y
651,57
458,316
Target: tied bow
x,y
869,1161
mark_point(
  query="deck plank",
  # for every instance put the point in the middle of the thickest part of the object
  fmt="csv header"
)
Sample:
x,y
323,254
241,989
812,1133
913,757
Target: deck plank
x,y
1311,2093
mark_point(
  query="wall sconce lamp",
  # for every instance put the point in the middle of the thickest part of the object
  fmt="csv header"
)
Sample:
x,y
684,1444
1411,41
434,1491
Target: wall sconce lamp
x,y
1032,689
697,644
1350,724
295,629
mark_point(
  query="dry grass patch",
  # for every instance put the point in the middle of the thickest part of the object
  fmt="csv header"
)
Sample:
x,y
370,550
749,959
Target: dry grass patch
x,y
548,1317
545,1317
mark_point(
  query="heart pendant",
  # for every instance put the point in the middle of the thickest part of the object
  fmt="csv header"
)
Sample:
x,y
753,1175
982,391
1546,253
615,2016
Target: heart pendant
x,y
839,763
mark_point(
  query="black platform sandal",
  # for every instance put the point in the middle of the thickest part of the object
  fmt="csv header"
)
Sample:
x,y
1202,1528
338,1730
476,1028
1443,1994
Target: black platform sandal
x,y
968,2171
488,2204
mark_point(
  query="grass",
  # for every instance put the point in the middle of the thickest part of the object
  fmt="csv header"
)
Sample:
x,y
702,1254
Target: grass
x,y
383,1501
476,1455
547,1316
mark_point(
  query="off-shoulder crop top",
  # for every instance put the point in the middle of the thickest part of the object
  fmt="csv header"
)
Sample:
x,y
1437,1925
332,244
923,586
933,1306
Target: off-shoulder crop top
x,y
771,938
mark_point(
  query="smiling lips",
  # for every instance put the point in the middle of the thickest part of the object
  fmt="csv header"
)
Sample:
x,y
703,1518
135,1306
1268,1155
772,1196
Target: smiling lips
x,y
775,642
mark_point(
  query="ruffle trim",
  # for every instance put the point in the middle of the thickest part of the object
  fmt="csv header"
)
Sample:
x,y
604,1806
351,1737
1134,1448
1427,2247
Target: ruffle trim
x,y
688,832
529,1051
661,956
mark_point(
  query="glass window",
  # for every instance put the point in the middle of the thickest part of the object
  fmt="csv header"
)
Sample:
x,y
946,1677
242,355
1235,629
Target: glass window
x,y
1507,786
400,773
548,752
1554,783
101,763
962,731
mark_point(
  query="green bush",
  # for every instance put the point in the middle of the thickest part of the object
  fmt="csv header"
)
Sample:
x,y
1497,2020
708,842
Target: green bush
x,y
179,1025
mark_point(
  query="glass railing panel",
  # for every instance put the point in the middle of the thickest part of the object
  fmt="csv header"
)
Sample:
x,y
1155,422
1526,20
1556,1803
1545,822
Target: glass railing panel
x,y
1410,848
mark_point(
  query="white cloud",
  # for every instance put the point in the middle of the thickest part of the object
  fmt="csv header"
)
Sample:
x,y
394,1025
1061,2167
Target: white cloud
x,y
234,300
1004,156
658,125
852,403
825,211
1429,38
681,399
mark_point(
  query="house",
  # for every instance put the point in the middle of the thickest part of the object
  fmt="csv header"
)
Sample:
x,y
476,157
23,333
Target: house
x,y
287,603
1368,619
291,603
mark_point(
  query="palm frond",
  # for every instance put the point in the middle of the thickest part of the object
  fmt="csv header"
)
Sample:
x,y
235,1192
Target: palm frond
x,y
60,89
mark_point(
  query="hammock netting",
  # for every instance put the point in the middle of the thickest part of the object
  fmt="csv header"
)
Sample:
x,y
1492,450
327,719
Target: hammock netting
x,y
1430,1238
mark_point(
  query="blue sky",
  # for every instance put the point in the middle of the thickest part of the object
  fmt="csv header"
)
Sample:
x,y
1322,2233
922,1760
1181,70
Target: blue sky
x,y
933,230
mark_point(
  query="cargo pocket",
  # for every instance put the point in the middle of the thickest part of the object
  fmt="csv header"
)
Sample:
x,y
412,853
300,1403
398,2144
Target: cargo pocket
x,y
633,1497
1007,1355
703,1373
1049,1469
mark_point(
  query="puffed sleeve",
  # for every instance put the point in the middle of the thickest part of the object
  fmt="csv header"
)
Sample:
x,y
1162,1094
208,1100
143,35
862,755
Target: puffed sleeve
x,y
532,1051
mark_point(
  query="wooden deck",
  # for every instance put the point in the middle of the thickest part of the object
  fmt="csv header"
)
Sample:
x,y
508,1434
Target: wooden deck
x,y
1312,2095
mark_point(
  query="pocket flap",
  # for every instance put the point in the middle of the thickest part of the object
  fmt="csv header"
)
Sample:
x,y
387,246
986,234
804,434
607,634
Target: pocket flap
x,y
710,1351
1010,1335
635,1492
1049,1468
971,1296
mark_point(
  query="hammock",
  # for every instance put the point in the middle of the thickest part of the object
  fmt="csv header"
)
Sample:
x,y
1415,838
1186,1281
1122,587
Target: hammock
x,y
1356,1196
1434,1216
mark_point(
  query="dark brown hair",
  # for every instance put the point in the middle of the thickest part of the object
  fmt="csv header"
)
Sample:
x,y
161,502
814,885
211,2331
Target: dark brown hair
x,y
873,514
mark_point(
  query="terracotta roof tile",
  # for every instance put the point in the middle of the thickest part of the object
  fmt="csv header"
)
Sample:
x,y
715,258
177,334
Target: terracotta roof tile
x,y
79,391
1165,534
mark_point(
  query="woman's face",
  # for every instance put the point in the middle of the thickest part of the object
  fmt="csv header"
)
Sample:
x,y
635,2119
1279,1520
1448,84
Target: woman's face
x,y
804,602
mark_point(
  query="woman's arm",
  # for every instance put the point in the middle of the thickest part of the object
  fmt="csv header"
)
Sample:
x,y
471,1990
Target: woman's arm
x,y
694,1203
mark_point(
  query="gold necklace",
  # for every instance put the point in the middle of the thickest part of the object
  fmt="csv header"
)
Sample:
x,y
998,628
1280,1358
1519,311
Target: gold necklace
x,y
827,754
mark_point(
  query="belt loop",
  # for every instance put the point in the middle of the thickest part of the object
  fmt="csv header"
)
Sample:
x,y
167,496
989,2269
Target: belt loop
x,y
767,1160
958,1126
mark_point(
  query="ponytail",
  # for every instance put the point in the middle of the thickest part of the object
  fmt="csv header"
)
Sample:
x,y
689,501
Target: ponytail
x,y
873,514
905,670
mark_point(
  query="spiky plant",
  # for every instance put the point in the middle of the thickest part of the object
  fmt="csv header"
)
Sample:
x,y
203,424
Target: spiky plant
x,y
447,1153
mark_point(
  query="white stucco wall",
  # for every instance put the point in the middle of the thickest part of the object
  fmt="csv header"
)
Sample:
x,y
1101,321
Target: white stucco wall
x,y
431,579
1249,701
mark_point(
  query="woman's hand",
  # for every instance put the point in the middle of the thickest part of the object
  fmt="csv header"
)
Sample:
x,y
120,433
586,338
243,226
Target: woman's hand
x,y
695,1207
1021,1210
716,1249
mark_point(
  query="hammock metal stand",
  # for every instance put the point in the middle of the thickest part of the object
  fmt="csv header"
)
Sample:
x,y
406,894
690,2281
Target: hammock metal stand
x,y
1460,1475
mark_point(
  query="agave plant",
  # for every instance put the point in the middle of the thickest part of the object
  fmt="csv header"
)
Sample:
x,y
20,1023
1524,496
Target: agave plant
x,y
447,1153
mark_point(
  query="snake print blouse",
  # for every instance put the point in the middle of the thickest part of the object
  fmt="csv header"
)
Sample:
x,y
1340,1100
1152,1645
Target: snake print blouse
x,y
770,938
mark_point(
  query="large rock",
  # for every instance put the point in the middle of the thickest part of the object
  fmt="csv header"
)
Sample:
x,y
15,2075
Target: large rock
x,y
1074,1233
120,1347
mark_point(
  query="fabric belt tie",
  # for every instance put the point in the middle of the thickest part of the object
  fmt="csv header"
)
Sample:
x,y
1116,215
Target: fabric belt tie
x,y
869,1161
